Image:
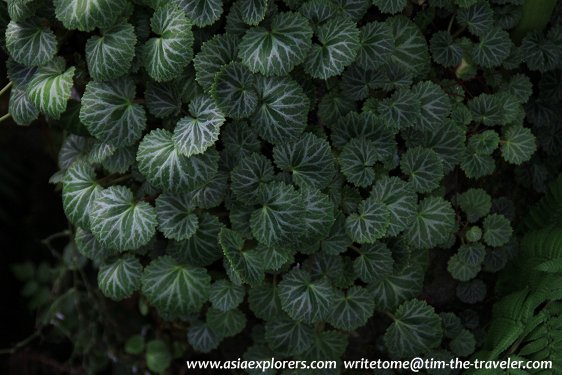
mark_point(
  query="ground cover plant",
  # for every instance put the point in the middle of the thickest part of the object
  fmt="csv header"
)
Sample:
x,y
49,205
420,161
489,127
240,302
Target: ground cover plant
x,y
319,179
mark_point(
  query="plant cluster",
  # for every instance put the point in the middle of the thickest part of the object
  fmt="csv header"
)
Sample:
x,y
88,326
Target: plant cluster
x,y
288,171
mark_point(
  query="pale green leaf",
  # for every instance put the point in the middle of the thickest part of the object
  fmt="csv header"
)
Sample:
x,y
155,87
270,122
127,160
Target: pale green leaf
x,y
109,113
120,278
175,288
119,222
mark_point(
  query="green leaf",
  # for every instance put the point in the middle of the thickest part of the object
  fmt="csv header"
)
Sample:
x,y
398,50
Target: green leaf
x,y
357,160
110,55
410,50
282,109
120,161
109,113
390,6
20,107
120,278
30,43
162,99
167,55
486,108
277,49
423,167
247,178
119,222
518,145
194,135
369,223
202,12
338,43
391,290
337,240
226,323
435,105
434,222
158,357
416,329
540,53
264,301
86,15
164,167
445,50
288,337
493,48
234,91
176,218
79,191
253,11
280,217
135,345
400,199
212,193
479,18
497,230
50,88
305,299
463,344
202,248
354,9
202,338
351,309
20,10
328,345
318,214
318,11
466,263
175,288
376,45
225,295
239,140
88,246
247,264
448,141
309,160
214,54
476,165
473,234
374,262
401,110
475,203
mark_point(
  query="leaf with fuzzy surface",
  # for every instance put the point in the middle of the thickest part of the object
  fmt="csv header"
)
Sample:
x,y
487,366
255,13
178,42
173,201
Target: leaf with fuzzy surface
x,y
202,12
214,54
282,109
277,49
423,167
351,309
518,144
86,15
119,222
369,223
399,198
309,160
162,164
109,114
30,43
305,299
357,160
49,89
175,288
120,278
434,222
234,90
416,329
80,190
279,218
337,48
167,55
110,55
194,135
176,218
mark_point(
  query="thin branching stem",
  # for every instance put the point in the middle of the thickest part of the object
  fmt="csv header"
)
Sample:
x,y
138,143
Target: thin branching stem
x,y
5,88
5,117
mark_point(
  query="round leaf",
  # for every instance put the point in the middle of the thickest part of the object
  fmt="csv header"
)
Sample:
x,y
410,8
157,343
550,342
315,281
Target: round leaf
x,y
120,278
30,43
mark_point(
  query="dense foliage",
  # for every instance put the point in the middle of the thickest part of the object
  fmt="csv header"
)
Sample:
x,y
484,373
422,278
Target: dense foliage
x,y
283,177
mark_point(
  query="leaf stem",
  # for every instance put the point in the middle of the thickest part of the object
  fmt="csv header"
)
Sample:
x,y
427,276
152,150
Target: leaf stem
x,y
5,117
5,88
20,344
451,23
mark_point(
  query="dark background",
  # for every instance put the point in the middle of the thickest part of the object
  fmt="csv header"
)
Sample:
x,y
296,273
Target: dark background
x,y
30,210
